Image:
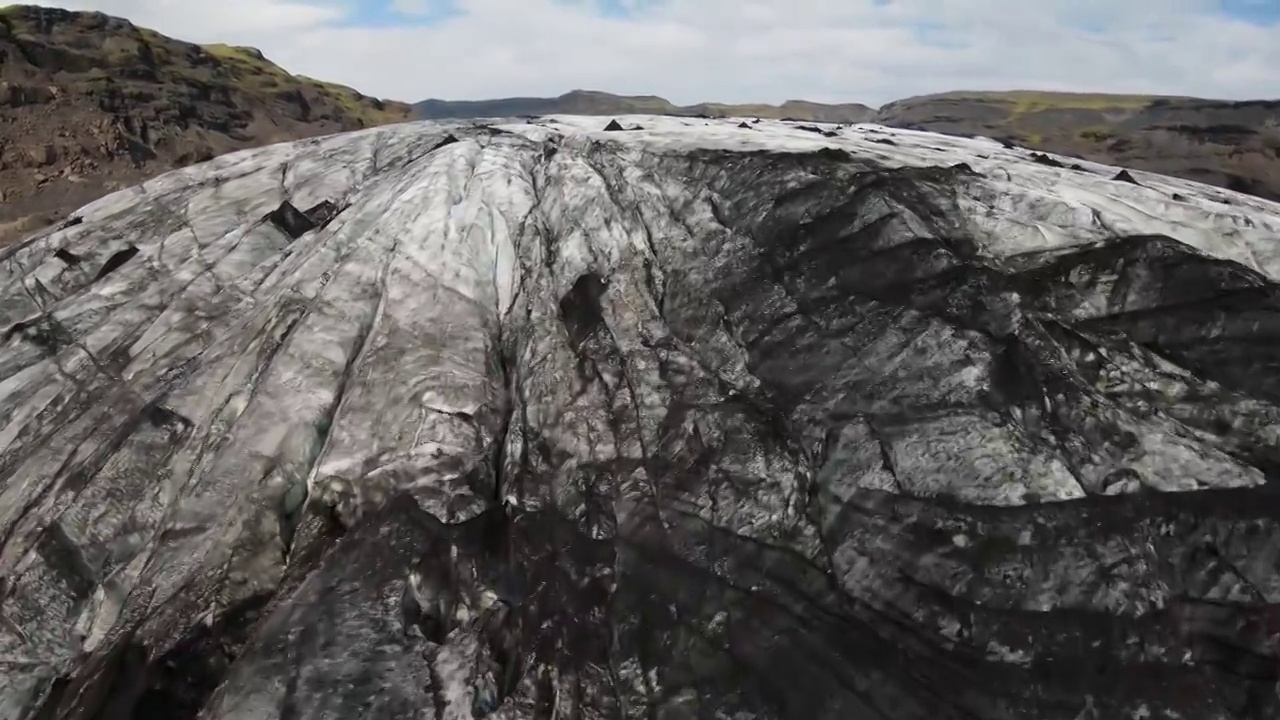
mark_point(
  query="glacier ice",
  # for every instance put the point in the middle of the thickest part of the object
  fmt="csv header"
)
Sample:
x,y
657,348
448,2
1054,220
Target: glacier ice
x,y
704,419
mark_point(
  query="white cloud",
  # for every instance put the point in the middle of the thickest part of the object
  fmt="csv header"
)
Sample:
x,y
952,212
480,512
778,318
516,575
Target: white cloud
x,y
217,20
745,50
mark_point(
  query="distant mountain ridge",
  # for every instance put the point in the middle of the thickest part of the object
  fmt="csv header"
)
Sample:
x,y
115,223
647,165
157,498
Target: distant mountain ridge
x,y
592,102
1232,144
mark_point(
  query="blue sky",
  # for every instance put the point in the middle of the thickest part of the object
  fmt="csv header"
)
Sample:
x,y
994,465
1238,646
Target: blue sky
x,y
1262,12
383,13
869,51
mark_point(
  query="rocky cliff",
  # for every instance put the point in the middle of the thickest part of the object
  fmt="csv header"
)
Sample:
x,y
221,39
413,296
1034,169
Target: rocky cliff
x,y
90,103
694,419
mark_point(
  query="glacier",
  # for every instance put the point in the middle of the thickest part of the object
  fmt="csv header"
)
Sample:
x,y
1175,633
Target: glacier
x,y
700,418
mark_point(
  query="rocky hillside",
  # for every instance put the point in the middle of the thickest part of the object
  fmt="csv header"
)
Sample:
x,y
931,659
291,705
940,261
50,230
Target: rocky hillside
x,y
91,103
538,420
1230,144
587,102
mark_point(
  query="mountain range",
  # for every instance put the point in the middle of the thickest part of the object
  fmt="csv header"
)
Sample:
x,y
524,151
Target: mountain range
x,y
1233,144
587,102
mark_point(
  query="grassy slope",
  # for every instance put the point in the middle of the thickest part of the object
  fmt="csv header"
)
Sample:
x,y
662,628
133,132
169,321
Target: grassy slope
x,y
250,70
257,73
1228,143
1024,101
